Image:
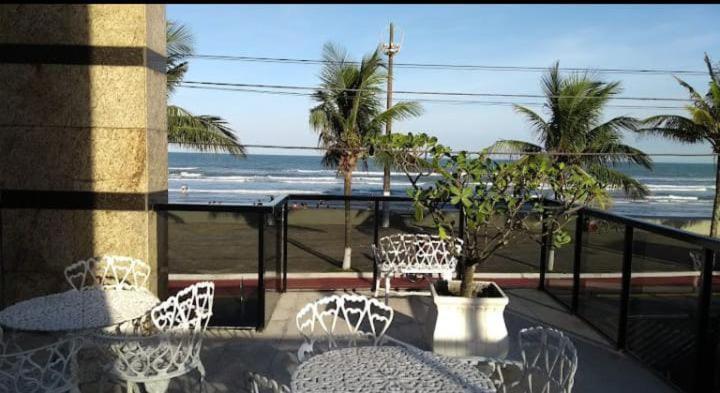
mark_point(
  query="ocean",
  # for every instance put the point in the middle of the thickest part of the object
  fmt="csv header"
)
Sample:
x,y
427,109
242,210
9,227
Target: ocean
x,y
678,190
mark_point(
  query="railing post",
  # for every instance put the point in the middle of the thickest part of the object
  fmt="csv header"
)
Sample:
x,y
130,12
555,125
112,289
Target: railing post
x,y
285,244
2,260
261,271
579,226
277,221
705,352
625,291
376,241
543,251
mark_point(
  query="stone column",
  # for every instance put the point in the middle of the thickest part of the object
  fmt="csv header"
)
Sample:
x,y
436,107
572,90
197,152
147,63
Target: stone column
x,y
83,140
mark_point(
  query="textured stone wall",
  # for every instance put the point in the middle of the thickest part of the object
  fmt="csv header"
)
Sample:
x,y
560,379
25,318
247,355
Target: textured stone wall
x,y
82,118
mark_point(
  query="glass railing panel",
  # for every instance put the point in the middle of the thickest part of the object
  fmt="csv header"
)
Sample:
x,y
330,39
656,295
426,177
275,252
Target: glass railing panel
x,y
601,274
559,270
316,236
272,262
663,305
221,247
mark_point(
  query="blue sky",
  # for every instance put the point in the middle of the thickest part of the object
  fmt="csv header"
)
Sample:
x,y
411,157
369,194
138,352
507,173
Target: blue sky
x,y
596,36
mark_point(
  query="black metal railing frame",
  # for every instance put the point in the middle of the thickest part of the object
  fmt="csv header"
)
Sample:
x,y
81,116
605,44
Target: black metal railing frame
x,y
704,362
277,209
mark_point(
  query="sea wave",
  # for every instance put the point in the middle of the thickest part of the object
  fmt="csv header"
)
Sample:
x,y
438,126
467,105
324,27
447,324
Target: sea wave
x,y
190,174
183,168
671,198
266,192
360,180
683,188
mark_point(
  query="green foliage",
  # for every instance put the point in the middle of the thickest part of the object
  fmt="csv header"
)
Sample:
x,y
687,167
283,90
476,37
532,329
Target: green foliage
x,y
702,125
349,111
576,103
498,198
200,132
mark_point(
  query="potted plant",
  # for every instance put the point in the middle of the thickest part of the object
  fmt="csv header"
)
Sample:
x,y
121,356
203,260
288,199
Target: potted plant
x,y
500,201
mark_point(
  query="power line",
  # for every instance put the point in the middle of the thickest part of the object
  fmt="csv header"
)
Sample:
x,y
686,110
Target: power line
x,y
467,67
464,94
424,100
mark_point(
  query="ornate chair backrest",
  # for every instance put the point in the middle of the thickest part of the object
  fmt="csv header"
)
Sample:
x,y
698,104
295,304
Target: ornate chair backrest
x,y
50,368
420,252
260,383
108,272
189,310
340,320
549,360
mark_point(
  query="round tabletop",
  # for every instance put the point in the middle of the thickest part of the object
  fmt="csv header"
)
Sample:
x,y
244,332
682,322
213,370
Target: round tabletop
x,y
387,369
78,310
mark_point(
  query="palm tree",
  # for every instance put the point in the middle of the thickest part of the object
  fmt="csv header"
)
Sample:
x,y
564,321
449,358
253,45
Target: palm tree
x,y
703,125
200,132
349,114
575,126
575,104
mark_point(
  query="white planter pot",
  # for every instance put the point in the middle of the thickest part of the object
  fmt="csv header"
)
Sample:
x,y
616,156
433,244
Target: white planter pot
x,y
469,326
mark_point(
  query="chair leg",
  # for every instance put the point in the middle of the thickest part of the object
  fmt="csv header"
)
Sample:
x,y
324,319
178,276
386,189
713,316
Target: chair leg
x,y
201,378
377,286
387,288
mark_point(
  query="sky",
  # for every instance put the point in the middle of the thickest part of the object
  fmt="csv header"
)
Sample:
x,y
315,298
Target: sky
x,y
672,37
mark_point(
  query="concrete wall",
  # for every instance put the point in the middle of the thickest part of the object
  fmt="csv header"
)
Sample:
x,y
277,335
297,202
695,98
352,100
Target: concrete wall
x,y
83,140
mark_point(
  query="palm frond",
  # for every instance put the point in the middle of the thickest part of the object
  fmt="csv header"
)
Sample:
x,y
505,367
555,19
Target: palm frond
x,y
615,179
180,46
399,111
512,146
204,133
537,123
675,127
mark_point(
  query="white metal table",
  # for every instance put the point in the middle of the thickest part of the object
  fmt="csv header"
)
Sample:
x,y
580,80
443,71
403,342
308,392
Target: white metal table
x,y
387,369
77,310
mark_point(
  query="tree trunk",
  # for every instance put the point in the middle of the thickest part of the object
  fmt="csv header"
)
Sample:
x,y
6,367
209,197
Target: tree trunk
x,y
468,280
348,225
716,202
551,259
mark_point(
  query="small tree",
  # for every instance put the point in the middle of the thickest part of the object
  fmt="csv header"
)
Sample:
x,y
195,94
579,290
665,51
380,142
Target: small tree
x,y
497,198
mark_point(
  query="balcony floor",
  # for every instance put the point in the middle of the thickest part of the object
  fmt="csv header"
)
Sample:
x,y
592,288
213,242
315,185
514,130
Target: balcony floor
x,y
227,353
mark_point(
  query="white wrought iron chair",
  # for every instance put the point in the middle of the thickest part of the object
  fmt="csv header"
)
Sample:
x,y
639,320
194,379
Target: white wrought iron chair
x,y
50,368
549,360
341,321
415,254
108,272
166,344
548,366
259,383
506,375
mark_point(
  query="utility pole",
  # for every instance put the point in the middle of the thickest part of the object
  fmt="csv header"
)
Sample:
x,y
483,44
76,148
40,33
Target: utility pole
x,y
390,50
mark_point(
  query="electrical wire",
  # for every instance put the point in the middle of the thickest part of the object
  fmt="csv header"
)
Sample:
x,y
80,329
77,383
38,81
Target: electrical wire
x,y
464,94
470,67
424,100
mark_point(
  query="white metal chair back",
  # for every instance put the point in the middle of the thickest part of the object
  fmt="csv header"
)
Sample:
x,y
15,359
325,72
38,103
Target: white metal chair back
x,y
189,310
260,383
339,321
418,253
47,369
549,360
173,344
108,272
